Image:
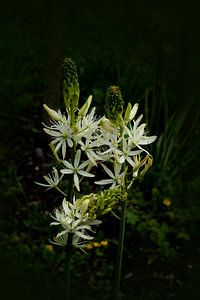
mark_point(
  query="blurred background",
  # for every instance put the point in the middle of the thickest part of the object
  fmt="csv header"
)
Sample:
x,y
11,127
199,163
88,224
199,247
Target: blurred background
x,y
152,53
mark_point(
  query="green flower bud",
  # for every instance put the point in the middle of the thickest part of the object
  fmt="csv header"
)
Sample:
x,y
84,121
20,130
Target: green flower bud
x,y
52,113
127,113
114,104
69,71
84,109
106,210
112,204
84,205
106,124
71,90
99,204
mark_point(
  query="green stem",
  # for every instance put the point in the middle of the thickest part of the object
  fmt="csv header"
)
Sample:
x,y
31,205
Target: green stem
x,y
71,179
120,252
68,255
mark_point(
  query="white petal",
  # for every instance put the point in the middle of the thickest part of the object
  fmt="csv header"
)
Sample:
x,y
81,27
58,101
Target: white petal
x,y
54,223
117,169
76,182
64,150
62,233
88,227
133,111
148,140
108,171
77,158
67,164
86,174
83,165
83,236
75,223
104,181
66,171
70,143
58,146
130,161
52,132
65,205
138,120
42,184
121,160
91,158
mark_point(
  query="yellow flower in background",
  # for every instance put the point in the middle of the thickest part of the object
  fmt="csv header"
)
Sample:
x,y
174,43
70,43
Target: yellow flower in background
x,y
89,246
49,248
104,243
96,244
92,245
167,202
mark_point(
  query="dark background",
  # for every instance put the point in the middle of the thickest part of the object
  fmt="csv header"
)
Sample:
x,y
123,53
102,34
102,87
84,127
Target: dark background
x,y
152,53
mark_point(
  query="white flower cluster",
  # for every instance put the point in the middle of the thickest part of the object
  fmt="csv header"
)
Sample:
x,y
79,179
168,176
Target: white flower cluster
x,y
74,219
118,149
98,141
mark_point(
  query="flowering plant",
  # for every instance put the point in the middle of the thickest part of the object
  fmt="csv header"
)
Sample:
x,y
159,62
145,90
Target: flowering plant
x,y
82,142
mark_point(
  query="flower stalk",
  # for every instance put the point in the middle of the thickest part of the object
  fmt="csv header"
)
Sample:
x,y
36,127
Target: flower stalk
x,y
80,142
68,255
118,267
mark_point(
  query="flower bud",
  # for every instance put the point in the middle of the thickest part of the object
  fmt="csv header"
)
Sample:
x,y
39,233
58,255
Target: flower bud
x,y
69,71
84,109
106,124
133,112
84,205
114,104
52,113
71,90
127,113
106,210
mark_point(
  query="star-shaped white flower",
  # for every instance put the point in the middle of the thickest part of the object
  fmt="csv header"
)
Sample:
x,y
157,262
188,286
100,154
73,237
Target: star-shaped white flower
x,y
89,147
76,169
110,143
116,179
62,134
126,153
137,135
52,180
86,127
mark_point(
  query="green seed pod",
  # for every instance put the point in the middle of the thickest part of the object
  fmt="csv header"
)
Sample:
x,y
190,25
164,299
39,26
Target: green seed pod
x,y
114,104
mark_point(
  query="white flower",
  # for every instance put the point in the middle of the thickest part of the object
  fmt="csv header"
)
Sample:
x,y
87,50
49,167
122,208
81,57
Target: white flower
x,y
88,147
137,136
62,133
126,154
117,178
86,127
52,179
110,142
73,220
76,169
